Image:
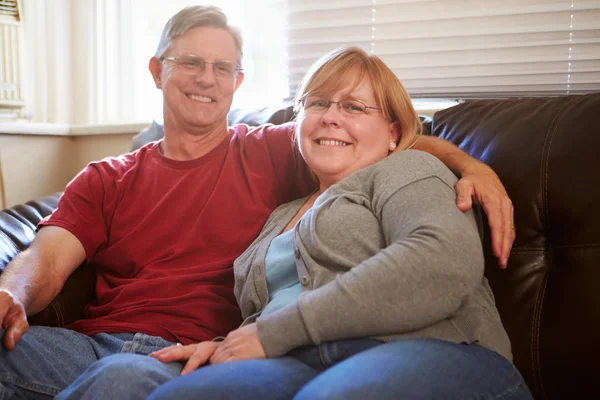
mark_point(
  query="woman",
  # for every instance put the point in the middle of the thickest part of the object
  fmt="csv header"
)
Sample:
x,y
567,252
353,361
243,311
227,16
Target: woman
x,y
370,288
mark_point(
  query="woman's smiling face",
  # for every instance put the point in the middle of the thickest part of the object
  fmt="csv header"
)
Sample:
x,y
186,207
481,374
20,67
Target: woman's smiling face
x,y
336,142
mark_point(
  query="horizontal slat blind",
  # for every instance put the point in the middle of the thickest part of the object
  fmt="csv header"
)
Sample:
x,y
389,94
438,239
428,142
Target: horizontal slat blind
x,y
458,48
9,9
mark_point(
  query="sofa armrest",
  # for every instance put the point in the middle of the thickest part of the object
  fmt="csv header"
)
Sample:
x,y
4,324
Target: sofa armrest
x,y
17,230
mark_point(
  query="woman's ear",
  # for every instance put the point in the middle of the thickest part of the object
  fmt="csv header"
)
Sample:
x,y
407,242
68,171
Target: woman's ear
x,y
395,135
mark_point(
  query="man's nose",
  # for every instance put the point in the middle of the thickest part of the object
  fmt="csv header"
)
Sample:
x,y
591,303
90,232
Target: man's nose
x,y
206,75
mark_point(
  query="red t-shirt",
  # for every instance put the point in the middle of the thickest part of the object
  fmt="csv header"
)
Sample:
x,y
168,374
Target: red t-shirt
x,y
163,234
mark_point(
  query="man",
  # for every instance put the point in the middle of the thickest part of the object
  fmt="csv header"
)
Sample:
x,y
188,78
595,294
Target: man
x,y
164,224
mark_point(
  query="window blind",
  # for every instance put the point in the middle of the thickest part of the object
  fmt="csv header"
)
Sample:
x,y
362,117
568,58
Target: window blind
x,y
458,48
11,63
9,9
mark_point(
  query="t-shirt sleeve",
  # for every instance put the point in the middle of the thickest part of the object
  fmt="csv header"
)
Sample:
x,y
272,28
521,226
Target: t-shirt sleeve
x,y
292,173
80,210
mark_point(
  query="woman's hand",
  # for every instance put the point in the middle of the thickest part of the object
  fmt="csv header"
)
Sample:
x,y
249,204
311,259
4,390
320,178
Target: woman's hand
x,y
483,187
195,354
241,344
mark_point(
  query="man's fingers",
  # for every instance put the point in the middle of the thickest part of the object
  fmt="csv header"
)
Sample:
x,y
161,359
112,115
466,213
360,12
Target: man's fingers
x,y
464,194
11,338
15,325
496,221
15,332
510,233
6,304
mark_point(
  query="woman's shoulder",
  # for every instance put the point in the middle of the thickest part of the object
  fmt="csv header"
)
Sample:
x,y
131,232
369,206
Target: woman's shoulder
x,y
284,213
412,162
403,168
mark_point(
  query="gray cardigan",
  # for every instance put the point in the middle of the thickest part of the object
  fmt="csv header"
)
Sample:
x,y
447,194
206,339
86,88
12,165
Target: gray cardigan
x,y
384,253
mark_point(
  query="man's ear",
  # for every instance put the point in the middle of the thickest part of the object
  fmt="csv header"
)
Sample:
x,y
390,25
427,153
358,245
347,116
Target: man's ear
x,y
238,80
155,67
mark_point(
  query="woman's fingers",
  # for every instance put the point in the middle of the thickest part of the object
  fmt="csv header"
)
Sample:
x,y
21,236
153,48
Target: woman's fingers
x,y
200,356
174,353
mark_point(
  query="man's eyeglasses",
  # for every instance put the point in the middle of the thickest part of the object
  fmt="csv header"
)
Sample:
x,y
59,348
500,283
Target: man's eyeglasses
x,y
193,64
348,107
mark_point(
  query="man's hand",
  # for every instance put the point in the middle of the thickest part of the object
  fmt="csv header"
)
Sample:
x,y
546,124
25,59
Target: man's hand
x,y
483,187
241,344
12,318
195,354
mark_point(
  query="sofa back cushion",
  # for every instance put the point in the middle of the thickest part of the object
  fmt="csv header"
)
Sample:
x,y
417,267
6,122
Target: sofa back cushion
x,y
547,153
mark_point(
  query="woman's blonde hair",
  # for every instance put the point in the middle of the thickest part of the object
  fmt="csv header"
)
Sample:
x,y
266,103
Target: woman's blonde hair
x,y
332,73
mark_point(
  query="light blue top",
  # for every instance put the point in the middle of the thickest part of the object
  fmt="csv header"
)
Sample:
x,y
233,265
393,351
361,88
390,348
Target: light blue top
x,y
282,276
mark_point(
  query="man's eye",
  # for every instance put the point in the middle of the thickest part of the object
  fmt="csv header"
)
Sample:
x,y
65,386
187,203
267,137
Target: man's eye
x,y
225,68
191,63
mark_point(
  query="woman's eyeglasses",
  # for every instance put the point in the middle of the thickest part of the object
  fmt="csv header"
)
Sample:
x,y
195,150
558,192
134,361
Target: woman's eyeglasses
x,y
349,107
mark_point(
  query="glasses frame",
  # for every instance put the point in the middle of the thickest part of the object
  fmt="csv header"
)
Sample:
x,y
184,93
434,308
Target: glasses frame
x,y
202,65
339,106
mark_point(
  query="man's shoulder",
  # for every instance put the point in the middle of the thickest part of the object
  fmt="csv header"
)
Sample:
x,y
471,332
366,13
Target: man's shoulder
x,y
121,164
264,142
243,131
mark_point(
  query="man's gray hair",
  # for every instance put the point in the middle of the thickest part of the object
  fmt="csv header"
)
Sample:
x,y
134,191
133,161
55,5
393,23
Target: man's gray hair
x,y
195,17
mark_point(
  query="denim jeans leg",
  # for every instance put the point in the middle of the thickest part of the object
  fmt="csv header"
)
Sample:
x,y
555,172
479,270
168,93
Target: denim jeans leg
x,y
44,362
419,369
129,374
272,379
328,354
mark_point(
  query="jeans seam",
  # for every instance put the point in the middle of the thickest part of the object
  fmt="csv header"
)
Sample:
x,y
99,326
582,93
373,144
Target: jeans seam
x,y
509,391
30,385
517,380
321,358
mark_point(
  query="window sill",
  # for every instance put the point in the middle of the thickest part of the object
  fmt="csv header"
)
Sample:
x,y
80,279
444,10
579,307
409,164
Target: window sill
x,y
43,129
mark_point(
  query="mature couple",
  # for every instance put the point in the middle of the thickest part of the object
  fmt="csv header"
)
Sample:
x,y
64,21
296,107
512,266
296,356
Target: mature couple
x,y
356,274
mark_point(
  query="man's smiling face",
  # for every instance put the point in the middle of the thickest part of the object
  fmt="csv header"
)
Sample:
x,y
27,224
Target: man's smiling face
x,y
198,101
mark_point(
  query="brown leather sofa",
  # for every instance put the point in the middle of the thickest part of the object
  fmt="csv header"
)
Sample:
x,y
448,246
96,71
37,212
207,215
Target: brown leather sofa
x,y
547,153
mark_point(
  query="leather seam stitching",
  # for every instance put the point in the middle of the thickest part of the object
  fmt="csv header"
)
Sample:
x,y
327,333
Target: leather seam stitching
x,y
535,339
535,356
58,312
536,364
546,160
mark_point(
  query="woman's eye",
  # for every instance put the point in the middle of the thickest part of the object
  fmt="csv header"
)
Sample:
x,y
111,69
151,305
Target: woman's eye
x,y
352,107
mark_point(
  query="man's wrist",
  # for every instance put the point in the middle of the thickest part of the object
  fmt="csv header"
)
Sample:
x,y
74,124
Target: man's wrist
x,y
14,298
475,167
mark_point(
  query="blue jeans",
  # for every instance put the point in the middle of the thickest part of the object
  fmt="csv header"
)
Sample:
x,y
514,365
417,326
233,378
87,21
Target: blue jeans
x,y
104,366
361,370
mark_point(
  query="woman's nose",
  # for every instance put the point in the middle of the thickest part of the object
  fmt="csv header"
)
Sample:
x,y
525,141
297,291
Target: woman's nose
x,y
332,115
